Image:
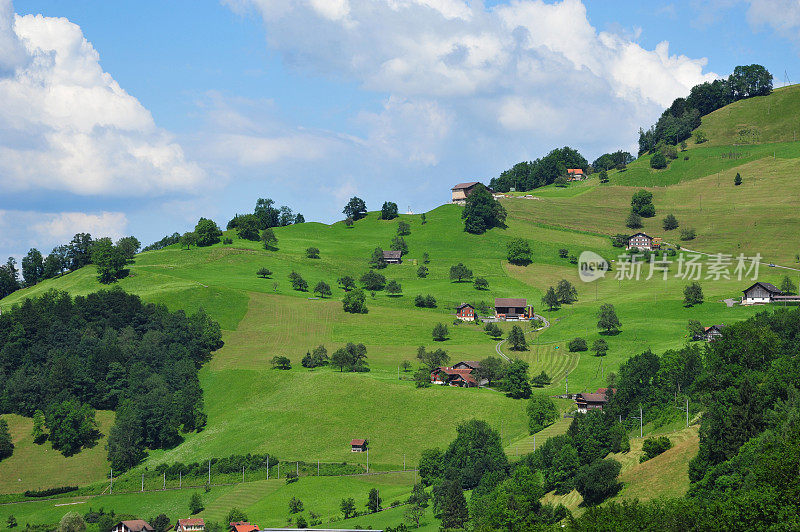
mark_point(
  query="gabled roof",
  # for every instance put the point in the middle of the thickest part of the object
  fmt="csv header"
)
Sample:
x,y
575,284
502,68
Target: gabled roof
x,y
243,526
357,442
717,327
574,170
392,254
510,302
137,525
640,234
464,186
766,286
592,397
474,364
462,305
190,522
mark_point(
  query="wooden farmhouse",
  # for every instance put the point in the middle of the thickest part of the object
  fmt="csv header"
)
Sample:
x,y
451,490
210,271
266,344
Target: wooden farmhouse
x,y
393,257
712,333
460,192
763,293
510,308
358,445
465,312
640,241
575,174
190,525
134,525
461,375
593,401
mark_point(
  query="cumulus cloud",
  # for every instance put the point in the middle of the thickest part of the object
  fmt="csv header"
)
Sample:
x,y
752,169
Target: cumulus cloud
x,y
21,230
67,125
60,227
458,69
783,16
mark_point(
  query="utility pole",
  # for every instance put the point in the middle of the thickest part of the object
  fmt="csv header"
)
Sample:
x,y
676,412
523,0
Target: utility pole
x,y
267,467
297,469
279,469
164,487
111,489
209,472
404,461
142,481
687,412
367,459
641,418
180,479
567,382
242,474
317,467
534,442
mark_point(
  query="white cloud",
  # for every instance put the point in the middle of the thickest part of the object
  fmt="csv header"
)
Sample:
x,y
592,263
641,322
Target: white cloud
x,y
66,125
60,227
453,68
20,230
783,16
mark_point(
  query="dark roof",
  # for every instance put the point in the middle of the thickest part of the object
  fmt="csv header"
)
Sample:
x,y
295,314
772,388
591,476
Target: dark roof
x,y
392,254
137,525
640,233
462,305
593,397
358,442
474,364
466,185
766,286
510,302
717,327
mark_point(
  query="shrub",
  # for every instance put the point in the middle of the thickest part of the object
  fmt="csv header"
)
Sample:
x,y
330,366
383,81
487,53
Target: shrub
x,y
598,480
688,234
312,253
49,492
425,301
355,302
658,161
440,332
634,221
652,447
563,253
700,137
422,272
481,283
227,240
577,344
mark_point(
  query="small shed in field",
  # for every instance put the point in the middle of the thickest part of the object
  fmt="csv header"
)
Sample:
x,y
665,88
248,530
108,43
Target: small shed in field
x,y
358,445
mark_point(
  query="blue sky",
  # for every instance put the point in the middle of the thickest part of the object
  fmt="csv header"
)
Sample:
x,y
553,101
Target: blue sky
x,y
139,117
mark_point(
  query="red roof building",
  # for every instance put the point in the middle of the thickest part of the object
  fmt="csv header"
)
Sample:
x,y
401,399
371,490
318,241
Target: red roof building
x,y
358,445
243,526
460,377
465,312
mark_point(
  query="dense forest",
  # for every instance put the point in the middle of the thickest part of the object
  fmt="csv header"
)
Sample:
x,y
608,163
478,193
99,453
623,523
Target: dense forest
x,y
62,358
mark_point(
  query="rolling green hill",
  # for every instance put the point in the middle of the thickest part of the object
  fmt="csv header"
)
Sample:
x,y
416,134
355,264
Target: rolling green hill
x,y
310,415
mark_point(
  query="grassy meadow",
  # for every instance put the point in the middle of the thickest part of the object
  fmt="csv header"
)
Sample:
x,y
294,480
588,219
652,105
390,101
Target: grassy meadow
x,y
311,415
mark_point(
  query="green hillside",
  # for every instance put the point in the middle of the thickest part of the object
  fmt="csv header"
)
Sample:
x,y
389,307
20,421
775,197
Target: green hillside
x,y
311,415
758,120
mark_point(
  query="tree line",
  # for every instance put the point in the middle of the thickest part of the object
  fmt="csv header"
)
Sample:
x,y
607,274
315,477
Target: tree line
x,y
109,257
527,175
62,357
